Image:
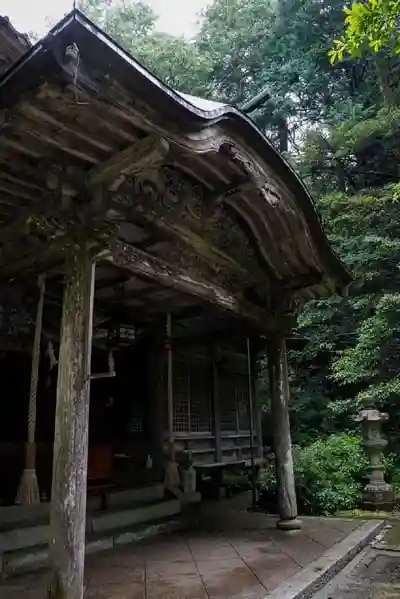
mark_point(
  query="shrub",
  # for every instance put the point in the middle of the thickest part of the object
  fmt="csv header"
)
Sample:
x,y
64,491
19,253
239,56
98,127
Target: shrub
x,y
392,463
330,474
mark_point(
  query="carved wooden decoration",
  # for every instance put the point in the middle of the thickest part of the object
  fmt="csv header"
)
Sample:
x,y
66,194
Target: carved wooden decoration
x,y
148,152
209,240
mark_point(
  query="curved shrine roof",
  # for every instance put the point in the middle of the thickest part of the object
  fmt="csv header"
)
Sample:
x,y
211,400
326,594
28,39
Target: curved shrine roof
x,y
210,180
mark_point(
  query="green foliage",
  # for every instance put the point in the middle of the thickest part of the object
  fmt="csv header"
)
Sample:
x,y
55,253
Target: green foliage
x,y
370,360
329,474
392,464
372,25
236,33
351,136
177,61
283,46
350,354
125,21
360,152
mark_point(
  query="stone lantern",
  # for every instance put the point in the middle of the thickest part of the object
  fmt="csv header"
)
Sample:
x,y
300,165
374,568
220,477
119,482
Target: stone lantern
x,y
377,494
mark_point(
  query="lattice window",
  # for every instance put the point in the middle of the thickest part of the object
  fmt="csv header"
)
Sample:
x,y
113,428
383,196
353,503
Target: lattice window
x,y
242,402
192,396
135,423
181,397
199,400
228,416
234,402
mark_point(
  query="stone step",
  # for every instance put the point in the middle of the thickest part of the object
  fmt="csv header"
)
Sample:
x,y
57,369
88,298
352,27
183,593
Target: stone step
x,y
98,522
35,558
123,518
26,548
150,493
20,515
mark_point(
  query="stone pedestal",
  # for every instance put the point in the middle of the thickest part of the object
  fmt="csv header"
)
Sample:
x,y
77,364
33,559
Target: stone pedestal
x,y
377,494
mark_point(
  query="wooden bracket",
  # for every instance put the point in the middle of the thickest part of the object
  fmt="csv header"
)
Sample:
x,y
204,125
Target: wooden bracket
x,y
144,153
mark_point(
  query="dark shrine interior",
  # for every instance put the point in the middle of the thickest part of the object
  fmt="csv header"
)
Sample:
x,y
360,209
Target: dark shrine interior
x,y
119,413
127,411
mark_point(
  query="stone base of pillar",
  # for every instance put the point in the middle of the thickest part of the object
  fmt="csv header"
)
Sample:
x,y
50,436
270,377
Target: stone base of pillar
x,y
293,524
378,497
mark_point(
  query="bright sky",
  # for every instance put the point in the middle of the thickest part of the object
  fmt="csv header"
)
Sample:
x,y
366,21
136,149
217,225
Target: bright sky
x,y
176,16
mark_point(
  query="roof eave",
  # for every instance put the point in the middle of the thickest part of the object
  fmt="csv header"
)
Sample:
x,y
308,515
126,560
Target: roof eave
x,y
75,26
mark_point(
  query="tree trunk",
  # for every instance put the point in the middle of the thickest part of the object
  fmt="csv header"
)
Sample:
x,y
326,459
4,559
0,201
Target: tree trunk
x,y
283,133
68,498
387,83
279,386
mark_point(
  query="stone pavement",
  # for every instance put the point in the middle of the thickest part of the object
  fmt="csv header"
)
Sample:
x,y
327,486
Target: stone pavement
x,y
245,558
373,574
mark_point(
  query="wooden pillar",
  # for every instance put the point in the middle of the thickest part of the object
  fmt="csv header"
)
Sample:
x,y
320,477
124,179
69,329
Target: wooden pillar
x,y
68,497
155,365
215,353
251,421
257,407
170,388
279,388
172,479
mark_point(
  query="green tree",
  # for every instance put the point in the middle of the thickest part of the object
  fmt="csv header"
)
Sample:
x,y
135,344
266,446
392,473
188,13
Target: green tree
x,y
126,21
244,46
175,60
283,46
372,25
352,343
236,32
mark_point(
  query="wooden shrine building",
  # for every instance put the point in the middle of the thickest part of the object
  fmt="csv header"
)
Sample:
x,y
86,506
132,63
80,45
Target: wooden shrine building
x,y
171,242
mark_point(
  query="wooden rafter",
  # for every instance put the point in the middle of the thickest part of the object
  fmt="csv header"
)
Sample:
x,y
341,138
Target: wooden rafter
x,y
40,115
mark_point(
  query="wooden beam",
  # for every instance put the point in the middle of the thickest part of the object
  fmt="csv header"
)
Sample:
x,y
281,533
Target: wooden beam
x,y
280,399
40,115
216,401
33,132
36,260
68,495
9,177
15,230
256,395
20,147
127,257
16,190
144,153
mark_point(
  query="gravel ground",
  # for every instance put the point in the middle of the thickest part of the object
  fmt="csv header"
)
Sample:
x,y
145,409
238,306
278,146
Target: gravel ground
x,y
374,574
